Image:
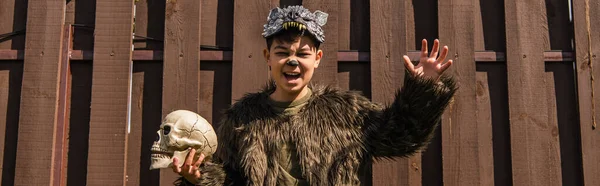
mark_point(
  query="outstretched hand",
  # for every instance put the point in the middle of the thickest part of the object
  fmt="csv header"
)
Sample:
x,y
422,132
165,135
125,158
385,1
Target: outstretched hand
x,y
190,170
430,66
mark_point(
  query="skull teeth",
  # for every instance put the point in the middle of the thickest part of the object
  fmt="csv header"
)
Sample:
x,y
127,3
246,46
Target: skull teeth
x,y
160,155
158,150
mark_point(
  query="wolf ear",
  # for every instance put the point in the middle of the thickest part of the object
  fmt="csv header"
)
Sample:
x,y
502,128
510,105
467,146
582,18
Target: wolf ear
x,y
321,17
274,14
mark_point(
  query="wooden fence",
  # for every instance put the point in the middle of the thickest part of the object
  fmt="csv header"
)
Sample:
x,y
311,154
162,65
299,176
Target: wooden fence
x,y
78,106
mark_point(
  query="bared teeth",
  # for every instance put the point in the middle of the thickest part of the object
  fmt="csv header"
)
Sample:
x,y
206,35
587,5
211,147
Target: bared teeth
x,y
288,25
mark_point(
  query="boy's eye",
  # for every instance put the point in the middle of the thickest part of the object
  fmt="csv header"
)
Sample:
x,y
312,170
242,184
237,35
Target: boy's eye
x,y
303,54
281,53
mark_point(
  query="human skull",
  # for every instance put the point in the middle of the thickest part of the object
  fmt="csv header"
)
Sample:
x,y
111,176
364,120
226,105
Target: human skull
x,y
180,130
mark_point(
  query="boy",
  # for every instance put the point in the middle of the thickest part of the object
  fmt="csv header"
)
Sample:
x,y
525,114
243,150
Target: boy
x,y
295,133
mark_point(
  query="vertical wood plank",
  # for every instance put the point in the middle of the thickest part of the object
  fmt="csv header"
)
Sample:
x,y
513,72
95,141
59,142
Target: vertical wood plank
x,y
327,71
534,147
489,36
11,75
70,12
80,94
559,26
478,24
149,23
565,108
181,57
223,34
214,97
249,68
484,105
359,17
498,100
388,44
484,130
181,64
134,146
84,21
13,16
423,19
210,10
587,38
111,82
206,95
344,24
146,110
494,25
40,89
460,133
61,129
421,25
7,11
5,70
217,24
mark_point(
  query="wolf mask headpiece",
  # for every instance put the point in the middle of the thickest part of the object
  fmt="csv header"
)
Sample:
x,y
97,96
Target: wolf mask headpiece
x,y
296,17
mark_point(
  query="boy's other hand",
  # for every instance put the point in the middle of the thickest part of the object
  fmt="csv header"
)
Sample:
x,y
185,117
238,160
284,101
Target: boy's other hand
x,y
190,170
430,66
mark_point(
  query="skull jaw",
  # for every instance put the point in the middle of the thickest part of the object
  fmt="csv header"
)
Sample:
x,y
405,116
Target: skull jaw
x,y
161,162
165,161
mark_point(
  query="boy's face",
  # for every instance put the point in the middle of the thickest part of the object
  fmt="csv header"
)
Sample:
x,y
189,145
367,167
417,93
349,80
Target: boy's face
x,y
292,79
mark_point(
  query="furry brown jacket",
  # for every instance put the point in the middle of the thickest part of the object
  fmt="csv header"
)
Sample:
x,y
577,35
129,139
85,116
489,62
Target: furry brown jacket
x,y
335,133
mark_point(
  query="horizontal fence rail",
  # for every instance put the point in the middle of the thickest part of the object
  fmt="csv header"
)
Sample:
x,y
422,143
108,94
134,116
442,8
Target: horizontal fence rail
x,y
345,56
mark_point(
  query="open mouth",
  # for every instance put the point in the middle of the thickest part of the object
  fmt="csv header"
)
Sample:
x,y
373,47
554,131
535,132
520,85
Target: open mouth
x,y
294,25
291,75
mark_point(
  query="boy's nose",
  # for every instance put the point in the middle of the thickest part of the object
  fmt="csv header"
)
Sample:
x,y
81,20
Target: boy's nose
x,y
292,62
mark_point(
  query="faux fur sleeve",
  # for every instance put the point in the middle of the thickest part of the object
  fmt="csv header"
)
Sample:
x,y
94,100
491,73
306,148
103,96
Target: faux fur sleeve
x,y
220,170
408,124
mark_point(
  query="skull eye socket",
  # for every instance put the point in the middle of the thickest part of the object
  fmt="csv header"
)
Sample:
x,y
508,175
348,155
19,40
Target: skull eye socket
x,y
166,130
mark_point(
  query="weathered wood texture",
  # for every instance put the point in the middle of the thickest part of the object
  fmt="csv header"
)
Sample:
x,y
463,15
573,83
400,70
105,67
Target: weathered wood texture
x,y
327,71
249,68
40,95
587,38
181,63
485,148
217,24
110,99
11,76
422,23
462,155
149,24
13,14
534,131
82,15
388,44
146,110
